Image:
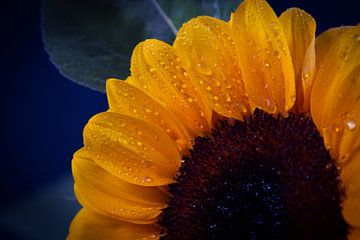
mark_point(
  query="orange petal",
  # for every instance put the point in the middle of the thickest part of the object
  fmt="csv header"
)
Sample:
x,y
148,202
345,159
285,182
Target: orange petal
x,y
264,57
351,211
299,28
207,51
128,100
90,226
351,180
156,70
107,194
132,149
335,97
354,234
350,175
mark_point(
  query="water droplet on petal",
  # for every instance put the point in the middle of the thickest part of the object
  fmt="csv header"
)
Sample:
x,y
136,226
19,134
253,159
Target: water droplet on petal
x,y
147,179
268,102
306,75
351,125
267,65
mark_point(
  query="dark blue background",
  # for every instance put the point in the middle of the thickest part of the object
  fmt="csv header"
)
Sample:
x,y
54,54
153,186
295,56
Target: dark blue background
x,y
42,116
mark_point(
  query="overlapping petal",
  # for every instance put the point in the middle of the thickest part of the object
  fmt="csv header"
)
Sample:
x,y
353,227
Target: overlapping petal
x,y
90,226
299,29
132,149
335,98
351,180
128,100
207,51
106,194
264,57
155,69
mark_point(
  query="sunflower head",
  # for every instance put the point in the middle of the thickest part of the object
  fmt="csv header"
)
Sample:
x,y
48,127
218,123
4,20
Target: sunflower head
x,y
246,129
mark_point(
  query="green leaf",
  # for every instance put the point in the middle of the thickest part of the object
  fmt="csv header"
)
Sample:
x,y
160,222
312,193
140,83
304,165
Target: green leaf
x,y
90,41
180,11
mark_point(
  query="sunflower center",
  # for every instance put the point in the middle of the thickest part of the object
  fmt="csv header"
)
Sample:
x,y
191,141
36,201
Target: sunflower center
x,y
265,178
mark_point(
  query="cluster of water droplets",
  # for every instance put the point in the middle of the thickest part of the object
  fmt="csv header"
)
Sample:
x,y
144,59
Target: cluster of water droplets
x,y
164,77
208,52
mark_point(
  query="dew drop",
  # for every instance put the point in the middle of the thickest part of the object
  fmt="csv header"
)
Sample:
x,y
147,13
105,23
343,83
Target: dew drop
x,y
306,75
351,125
147,179
267,65
267,102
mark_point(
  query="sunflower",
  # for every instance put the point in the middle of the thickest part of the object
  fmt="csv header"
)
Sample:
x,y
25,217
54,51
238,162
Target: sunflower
x,y
244,129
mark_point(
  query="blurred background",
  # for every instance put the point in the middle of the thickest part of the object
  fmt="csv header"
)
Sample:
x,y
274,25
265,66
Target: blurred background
x,y
43,114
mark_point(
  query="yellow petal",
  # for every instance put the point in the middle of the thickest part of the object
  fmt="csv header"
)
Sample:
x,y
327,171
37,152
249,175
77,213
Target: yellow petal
x,y
350,175
335,97
299,28
351,180
156,70
128,100
105,193
90,226
351,211
264,57
207,51
136,151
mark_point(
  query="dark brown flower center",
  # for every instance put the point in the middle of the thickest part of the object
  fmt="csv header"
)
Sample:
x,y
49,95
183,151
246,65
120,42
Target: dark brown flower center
x,y
265,178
